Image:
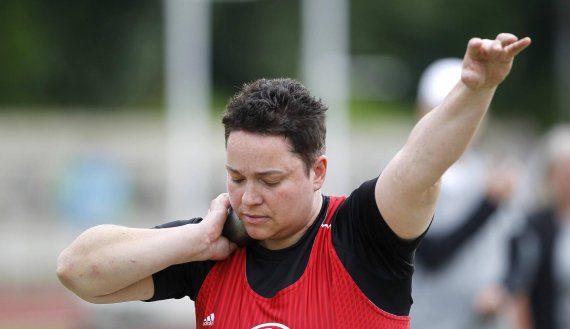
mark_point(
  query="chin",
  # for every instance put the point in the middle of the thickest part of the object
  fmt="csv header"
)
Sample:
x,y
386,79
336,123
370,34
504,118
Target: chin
x,y
258,234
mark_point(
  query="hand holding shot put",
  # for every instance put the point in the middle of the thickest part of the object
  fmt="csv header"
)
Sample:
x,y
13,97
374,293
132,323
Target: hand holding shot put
x,y
313,253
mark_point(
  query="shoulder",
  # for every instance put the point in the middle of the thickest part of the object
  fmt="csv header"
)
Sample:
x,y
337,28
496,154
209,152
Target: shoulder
x,y
360,230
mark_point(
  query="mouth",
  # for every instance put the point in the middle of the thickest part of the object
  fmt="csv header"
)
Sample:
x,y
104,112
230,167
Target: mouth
x,y
253,219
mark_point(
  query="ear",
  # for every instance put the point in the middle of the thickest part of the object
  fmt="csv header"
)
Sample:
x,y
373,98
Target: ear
x,y
320,172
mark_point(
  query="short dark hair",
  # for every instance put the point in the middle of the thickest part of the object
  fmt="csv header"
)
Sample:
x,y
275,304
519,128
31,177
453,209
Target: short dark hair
x,y
280,107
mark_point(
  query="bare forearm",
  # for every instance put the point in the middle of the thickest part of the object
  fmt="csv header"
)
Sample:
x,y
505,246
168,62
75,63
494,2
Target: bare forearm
x,y
441,136
108,258
111,264
409,185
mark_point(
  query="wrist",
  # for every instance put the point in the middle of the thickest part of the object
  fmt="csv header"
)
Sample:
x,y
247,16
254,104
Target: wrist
x,y
196,241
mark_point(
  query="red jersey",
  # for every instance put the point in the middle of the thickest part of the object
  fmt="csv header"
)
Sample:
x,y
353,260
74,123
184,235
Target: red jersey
x,y
325,296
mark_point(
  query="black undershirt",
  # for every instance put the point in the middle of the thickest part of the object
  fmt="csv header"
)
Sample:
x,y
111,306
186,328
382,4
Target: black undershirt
x,y
379,262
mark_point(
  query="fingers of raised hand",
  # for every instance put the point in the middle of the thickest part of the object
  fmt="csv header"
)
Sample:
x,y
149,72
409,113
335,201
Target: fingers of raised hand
x,y
491,49
506,38
483,49
515,47
510,45
503,47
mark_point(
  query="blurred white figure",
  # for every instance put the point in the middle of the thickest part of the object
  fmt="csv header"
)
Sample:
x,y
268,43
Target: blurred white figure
x,y
461,259
539,271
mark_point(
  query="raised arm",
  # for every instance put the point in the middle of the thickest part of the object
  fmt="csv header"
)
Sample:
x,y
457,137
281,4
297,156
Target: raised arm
x,y
111,264
407,190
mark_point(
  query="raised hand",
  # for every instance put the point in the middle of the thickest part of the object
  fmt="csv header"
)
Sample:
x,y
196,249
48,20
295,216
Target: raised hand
x,y
488,62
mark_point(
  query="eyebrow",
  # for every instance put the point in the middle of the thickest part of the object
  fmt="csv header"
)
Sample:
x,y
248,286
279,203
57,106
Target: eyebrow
x,y
268,172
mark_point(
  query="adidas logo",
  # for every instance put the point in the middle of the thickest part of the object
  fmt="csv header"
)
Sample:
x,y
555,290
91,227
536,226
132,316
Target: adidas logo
x,y
209,320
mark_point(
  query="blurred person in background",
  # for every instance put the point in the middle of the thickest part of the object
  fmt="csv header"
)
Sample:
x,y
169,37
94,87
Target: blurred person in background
x,y
538,279
319,261
458,262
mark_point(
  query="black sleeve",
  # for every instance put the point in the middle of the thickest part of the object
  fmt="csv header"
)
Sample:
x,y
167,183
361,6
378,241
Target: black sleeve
x,y
379,261
181,280
180,222
523,261
436,250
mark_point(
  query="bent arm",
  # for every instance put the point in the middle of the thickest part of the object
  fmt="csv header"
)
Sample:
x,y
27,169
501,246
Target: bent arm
x,y
407,190
435,251
107,259
109,263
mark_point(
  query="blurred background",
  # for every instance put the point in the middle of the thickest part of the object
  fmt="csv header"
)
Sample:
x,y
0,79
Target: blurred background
x,y
110,112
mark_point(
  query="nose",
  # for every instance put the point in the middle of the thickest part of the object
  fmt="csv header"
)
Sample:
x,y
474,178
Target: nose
x,y
251,195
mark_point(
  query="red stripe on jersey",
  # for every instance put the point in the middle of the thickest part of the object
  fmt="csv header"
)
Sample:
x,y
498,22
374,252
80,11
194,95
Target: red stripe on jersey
x,y
325,296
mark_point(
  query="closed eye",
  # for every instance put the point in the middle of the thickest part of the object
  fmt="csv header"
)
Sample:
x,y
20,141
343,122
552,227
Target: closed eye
x,y
271,183
236,178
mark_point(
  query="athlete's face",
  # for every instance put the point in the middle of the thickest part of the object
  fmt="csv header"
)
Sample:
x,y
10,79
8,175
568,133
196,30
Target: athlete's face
x,y
270,189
